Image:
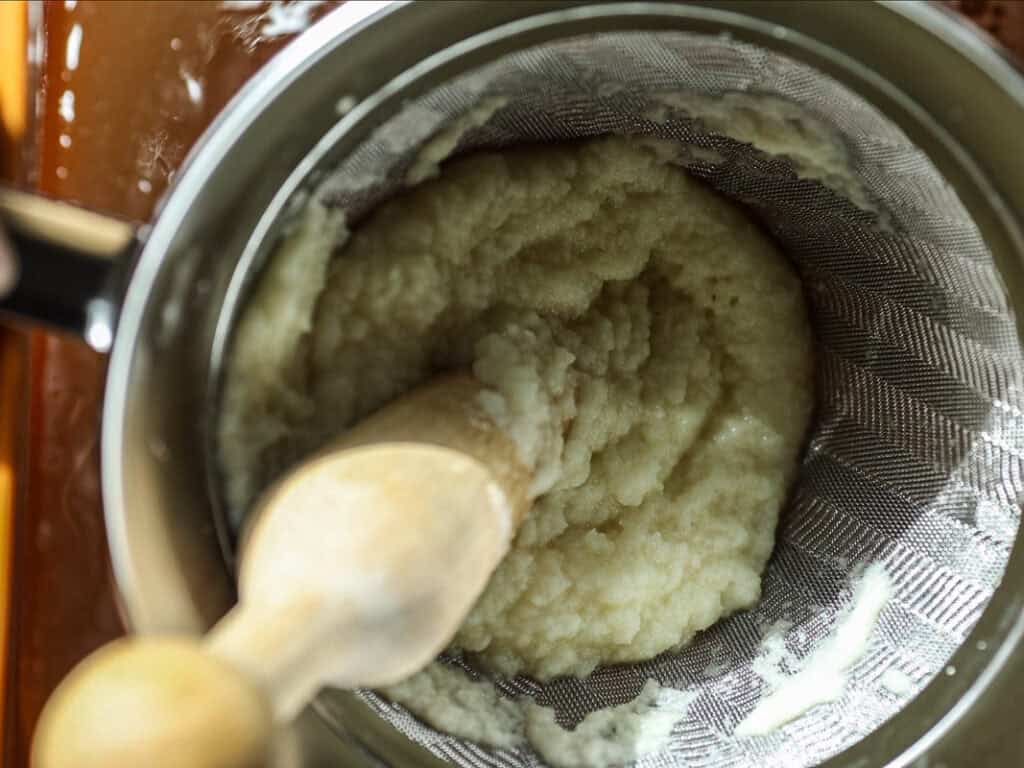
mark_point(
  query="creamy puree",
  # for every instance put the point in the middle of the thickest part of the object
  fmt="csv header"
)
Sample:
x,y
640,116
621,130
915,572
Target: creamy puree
x,y
644,342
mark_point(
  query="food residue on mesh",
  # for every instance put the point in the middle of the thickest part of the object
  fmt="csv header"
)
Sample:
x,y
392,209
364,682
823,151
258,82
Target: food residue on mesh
x,y
822,677
611,736
897,682
775,126
427,163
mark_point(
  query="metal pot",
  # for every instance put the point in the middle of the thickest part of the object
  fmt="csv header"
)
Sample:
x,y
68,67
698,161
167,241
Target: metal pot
x,y
925,71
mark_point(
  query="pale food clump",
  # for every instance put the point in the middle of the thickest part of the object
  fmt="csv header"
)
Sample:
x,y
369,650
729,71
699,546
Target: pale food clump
x,y
645,343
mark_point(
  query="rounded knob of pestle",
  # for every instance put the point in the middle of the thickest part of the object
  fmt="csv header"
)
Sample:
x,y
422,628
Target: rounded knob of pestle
x,y
158,703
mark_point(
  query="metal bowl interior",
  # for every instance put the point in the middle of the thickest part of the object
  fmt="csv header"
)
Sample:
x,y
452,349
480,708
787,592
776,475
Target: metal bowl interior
x,y
215,228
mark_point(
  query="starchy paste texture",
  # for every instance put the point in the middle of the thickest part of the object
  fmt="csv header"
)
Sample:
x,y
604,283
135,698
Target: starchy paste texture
x,y
644,342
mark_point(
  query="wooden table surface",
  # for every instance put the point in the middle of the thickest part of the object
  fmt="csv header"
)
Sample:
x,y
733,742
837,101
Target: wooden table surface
x,y
145,79
130,127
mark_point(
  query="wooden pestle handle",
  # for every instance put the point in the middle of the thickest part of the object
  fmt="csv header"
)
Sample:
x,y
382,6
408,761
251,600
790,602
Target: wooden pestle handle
x,y
448,412
154,702
358,569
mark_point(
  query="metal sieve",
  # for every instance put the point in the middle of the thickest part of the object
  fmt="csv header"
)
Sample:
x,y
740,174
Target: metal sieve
x,y
915,461
917,458
885,480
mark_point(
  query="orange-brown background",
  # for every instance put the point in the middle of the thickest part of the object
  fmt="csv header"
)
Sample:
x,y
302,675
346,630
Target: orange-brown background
x,y
148,78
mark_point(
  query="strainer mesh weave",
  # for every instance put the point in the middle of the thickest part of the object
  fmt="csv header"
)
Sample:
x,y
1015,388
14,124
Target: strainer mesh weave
x,y
915,461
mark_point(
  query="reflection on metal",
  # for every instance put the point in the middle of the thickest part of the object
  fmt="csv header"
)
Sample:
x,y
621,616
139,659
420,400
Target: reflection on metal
x,y
99,325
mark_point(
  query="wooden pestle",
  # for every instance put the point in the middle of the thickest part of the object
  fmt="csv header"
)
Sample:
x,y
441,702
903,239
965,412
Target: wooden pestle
x,y
357,570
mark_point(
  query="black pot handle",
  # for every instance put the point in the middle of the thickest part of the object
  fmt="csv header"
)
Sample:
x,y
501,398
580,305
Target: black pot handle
x,y
65,258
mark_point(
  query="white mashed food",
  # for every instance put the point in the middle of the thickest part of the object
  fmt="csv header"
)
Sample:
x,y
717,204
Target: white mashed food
x,y
645,343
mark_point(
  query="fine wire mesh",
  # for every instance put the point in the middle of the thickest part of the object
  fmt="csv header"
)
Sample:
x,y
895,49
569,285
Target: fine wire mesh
x,y
915,459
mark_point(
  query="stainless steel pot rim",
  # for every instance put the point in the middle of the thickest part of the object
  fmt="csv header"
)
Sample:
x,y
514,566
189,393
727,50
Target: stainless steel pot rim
x,y
1003,618
283,70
